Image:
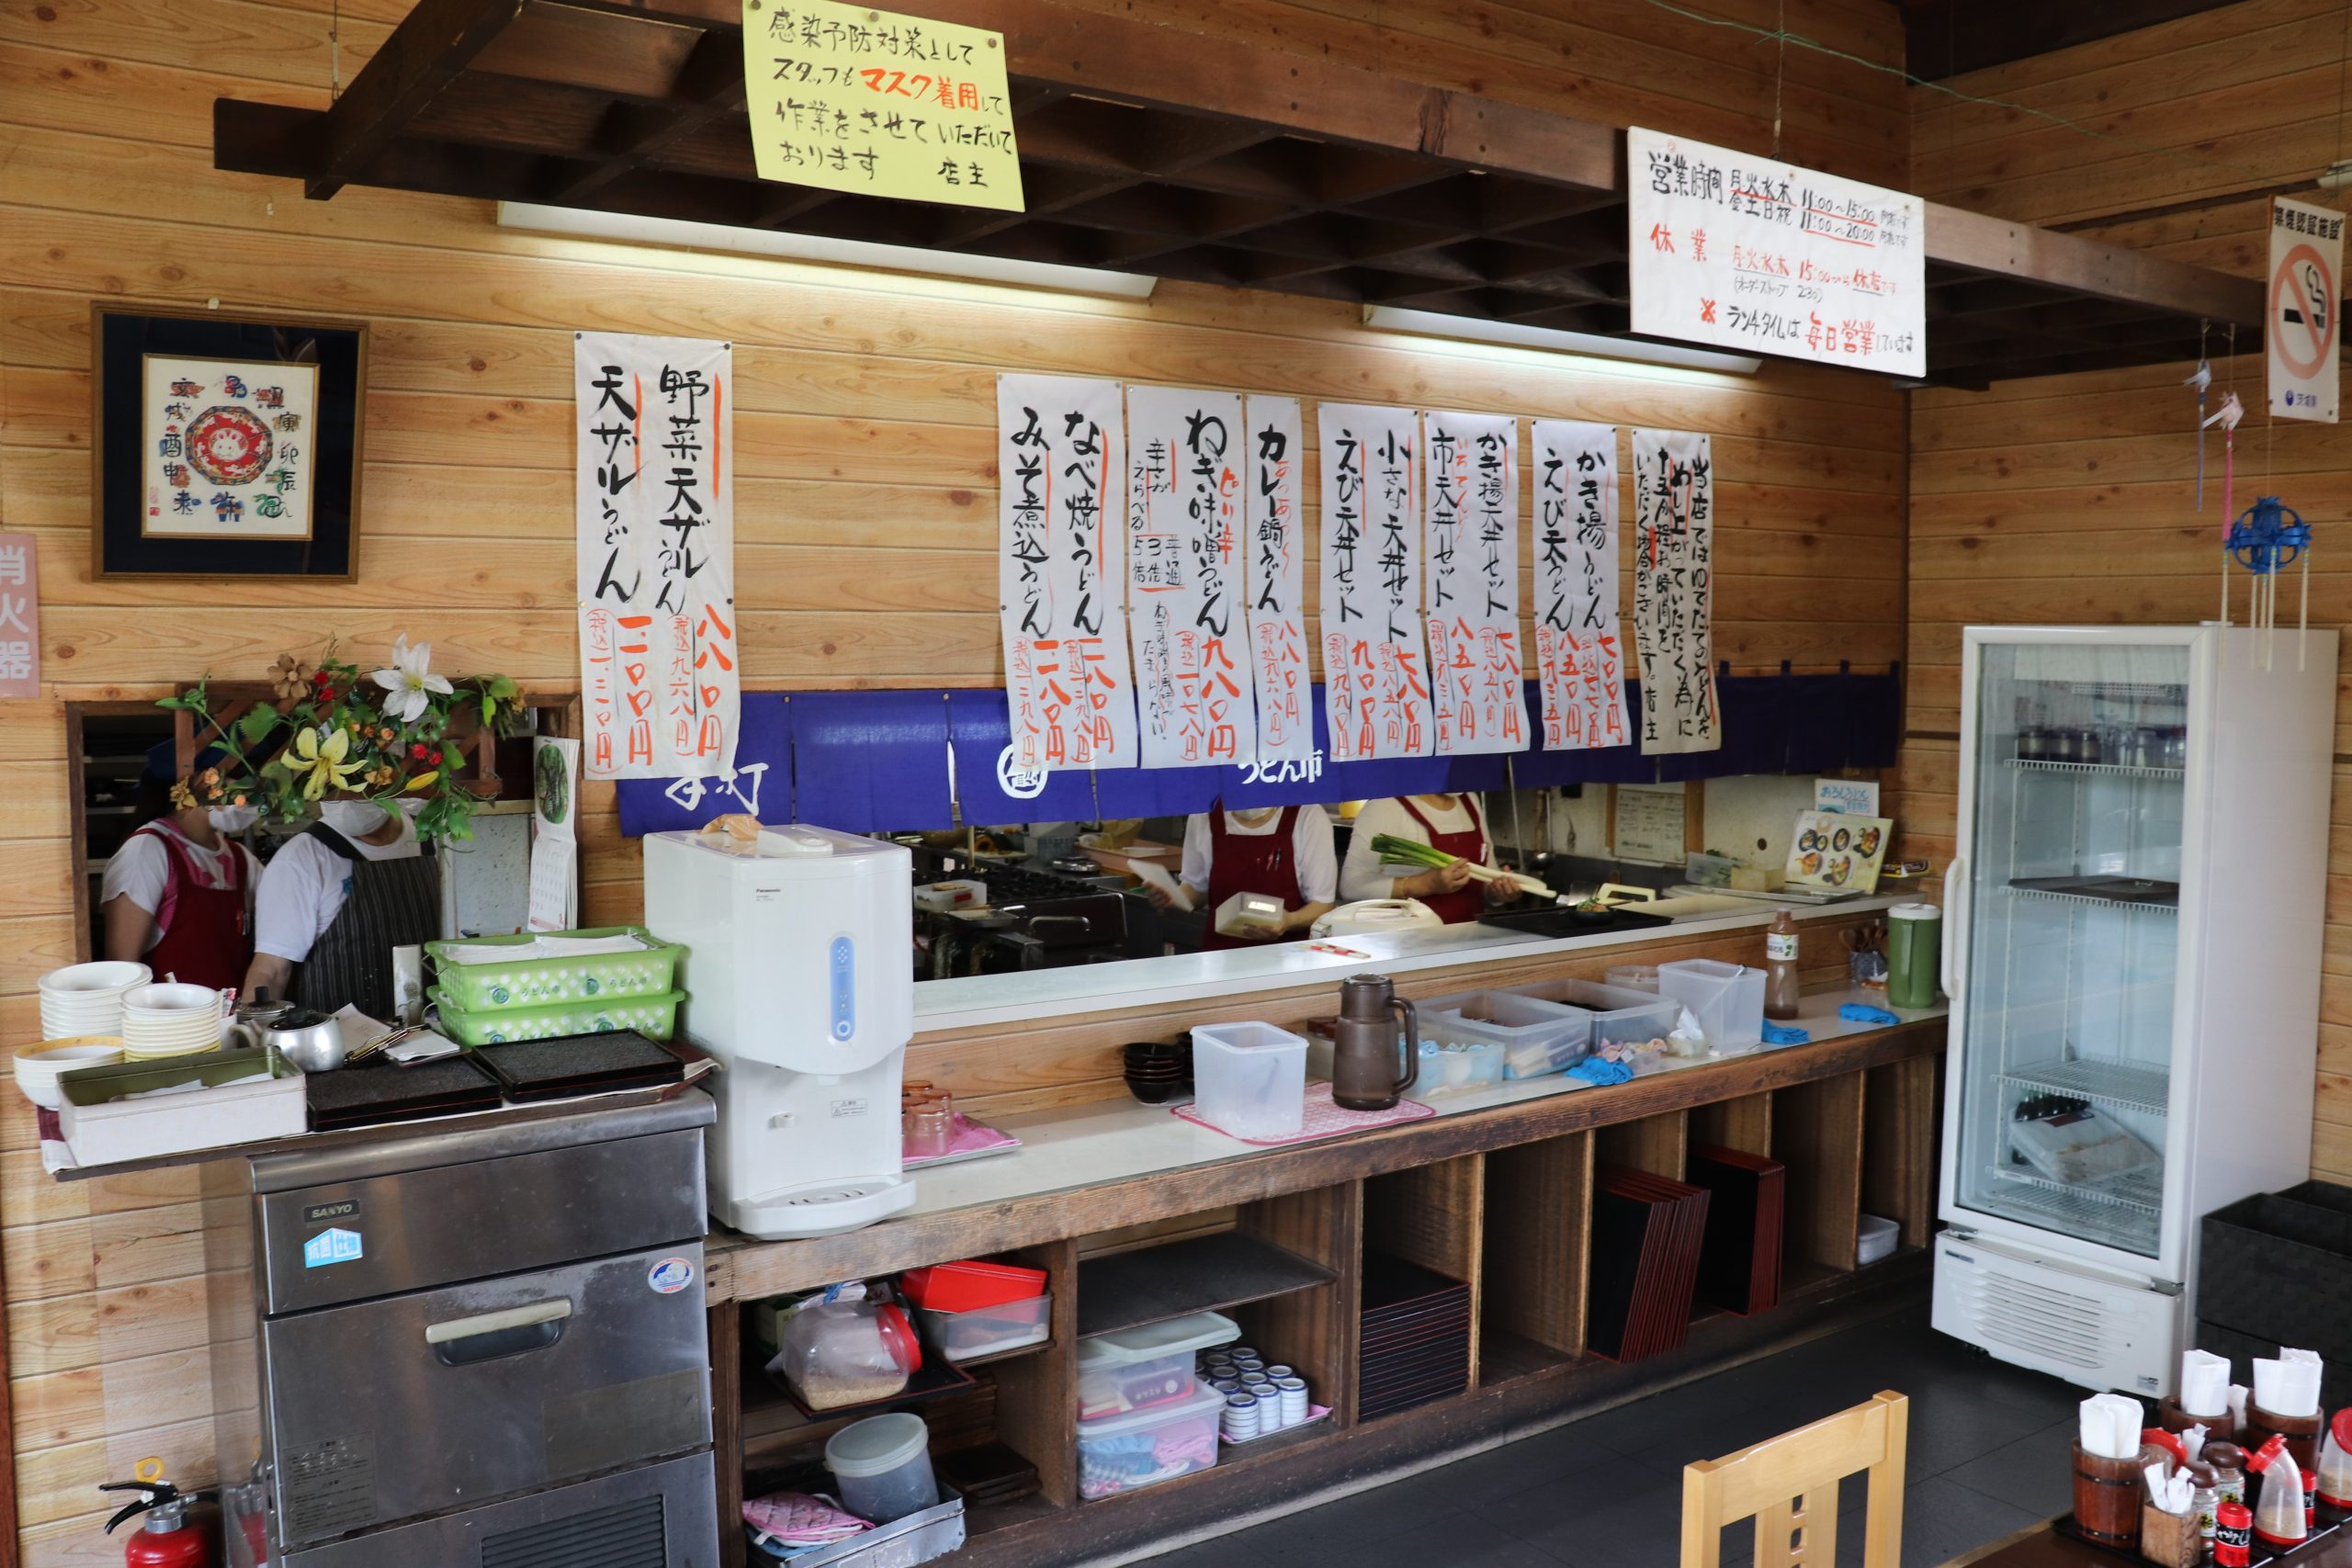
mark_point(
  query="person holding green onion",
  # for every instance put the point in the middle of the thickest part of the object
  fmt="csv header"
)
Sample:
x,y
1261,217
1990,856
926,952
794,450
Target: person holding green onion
x,y
1448,831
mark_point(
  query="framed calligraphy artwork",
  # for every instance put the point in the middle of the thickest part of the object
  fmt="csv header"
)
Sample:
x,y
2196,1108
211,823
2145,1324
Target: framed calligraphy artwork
x,y
1674,536
1061,462
1277,551
1470,515
225,445
1579,647
654,498
1376,666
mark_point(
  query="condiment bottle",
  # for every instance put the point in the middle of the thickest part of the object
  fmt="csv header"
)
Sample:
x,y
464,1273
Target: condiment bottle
x,y
2206,1496
2232,1535
1780,997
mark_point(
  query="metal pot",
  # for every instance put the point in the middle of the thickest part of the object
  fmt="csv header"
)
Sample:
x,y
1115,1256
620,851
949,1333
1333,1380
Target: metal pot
x,y
312,1040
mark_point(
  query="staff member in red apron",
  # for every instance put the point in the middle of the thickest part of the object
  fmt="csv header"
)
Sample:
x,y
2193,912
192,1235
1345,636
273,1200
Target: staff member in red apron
x,y
178,894
335,902
1453,823
1282,850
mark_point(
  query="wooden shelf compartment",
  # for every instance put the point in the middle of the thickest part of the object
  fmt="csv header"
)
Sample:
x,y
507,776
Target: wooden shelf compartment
x,y
1745,1124
1434,1215
1817,1135
1209,1273
1901,1138
1537,1212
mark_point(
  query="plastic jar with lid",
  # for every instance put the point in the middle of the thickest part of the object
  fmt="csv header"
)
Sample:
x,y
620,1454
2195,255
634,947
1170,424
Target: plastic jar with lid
x,y
882,1466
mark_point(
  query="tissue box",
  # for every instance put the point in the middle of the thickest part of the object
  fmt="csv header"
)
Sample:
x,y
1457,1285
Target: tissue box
x,y
2276,1270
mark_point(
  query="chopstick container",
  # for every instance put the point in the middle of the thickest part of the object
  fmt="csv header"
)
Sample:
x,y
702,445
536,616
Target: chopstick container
x,y
104,1124
1250,1079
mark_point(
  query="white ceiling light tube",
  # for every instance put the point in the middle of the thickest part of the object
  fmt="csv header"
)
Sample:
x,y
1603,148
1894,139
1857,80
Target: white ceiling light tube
x,y
1473,329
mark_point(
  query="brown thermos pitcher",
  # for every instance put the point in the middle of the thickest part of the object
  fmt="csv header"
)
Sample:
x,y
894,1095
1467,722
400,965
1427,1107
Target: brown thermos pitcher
x,y
1367,1073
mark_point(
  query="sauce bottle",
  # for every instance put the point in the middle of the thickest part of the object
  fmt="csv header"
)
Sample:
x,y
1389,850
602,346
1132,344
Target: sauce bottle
x,y
1780,965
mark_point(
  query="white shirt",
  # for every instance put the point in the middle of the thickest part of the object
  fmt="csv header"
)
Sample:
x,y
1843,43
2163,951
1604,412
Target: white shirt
x,y
139,870
303,889
1311,851
1365,876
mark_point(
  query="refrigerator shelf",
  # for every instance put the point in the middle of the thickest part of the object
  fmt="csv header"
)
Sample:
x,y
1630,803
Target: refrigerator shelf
x,y
2095,770
2126,1214
2133,1086
2052,894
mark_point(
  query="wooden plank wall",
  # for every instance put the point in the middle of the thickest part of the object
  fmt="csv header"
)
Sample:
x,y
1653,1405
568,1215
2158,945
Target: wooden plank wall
x,y
866,502
2071,498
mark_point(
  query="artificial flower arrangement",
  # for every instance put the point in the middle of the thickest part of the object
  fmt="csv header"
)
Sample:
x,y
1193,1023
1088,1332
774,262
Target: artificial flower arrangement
x,y
392,736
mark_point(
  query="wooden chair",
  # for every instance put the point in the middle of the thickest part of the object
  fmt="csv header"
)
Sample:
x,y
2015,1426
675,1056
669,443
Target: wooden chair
x,y
1789,1484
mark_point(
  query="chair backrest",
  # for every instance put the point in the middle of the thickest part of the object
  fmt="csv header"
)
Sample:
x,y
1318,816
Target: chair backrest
x,y
1789,1484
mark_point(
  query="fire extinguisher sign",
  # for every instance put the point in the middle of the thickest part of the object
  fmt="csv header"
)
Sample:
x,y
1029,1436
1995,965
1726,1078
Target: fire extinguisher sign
x,y
2302,317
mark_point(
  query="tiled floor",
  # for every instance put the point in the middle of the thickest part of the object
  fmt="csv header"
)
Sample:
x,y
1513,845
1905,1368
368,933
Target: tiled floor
x,y
1989,1449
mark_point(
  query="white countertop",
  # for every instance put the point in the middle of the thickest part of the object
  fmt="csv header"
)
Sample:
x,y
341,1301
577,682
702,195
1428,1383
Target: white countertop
x,y
1029,994
1118,1140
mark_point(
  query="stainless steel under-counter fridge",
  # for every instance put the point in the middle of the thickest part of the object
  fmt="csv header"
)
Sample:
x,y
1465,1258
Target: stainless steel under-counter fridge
x,y
476,1348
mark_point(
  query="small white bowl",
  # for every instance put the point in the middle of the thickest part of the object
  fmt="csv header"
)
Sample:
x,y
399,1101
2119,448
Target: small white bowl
x,y
107,976
40,1066
168,999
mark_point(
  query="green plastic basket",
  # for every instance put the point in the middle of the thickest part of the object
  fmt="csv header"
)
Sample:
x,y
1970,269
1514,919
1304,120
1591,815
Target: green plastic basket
x,y
540,981
656,1018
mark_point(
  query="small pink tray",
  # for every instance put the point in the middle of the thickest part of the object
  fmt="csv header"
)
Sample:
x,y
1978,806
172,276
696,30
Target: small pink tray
x,y
1323,1119
972,1139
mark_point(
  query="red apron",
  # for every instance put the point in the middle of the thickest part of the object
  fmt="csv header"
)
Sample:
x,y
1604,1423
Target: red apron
x,y
1250,862
1463,903
206,941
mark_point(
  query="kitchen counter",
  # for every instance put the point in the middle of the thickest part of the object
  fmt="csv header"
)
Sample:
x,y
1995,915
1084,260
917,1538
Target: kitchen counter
x,y
1035,995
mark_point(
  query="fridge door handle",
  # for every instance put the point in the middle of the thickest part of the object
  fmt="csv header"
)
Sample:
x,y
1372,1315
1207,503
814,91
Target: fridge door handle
x,y
1955,914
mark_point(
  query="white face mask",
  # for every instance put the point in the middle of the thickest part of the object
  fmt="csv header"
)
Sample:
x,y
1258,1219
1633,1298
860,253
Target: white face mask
x,y
233,819
353,818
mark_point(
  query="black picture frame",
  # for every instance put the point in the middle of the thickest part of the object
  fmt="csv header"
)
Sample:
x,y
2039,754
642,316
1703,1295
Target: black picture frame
x,y
120,340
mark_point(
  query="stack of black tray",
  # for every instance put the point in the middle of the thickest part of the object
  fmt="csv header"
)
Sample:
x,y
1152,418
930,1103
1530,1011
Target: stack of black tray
x,y
1739,1262
1414,1342
1647,1233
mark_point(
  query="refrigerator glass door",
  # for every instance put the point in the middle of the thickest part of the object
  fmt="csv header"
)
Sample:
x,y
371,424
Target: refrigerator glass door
x,y
2073,913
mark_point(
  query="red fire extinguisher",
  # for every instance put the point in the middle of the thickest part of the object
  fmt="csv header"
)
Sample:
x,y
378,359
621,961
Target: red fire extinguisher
x,y
165,1538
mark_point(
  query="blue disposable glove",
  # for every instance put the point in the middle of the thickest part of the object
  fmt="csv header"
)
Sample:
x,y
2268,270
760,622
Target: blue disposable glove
x,y
1784,1034
1863,1013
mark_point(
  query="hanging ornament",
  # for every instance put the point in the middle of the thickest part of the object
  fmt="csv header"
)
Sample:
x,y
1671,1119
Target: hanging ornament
x,y
2227,417
2265,540
2201,378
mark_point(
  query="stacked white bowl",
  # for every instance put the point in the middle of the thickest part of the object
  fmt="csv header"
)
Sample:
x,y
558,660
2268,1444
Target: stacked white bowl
x,y
39,1066
169,1020
86,999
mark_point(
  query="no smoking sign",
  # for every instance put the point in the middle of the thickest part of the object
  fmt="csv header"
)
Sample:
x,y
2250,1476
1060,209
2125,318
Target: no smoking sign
x,y
2302,327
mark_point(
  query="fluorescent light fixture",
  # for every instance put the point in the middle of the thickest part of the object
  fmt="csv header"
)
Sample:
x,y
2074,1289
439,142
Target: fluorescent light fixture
x,y
1472,329
679,235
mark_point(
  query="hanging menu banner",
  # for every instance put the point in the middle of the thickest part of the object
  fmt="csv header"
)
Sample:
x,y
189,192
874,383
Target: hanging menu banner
x,y
1579,653
1060,461
1277,548
1674,488
655,518
877,104
1375,676
1187,603
1764,257
1470,509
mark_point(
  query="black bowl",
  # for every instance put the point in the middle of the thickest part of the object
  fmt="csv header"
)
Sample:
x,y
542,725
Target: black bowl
x,y
1159,1093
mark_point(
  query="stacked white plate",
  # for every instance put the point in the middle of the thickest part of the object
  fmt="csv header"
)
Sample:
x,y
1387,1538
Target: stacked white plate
x,y
86,999
169,1020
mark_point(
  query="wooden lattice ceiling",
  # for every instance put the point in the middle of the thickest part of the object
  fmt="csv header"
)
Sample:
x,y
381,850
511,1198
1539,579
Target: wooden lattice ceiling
x,y
1146,149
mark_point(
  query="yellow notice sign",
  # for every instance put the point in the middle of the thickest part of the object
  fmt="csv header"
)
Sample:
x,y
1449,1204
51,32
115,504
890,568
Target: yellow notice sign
x,y
879,104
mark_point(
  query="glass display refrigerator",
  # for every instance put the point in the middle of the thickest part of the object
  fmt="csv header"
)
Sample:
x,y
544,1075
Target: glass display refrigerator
x,y
2133,931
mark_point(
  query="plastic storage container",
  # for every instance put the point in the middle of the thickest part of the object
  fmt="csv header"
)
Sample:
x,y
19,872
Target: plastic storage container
x,y
985,1331
1137,1368
1537,1037
1878,1239
1453,1067
1119,1453
1619,1013
840,1353
882,1466
1726,998
1632,976
1250,1079
535,980
655,1017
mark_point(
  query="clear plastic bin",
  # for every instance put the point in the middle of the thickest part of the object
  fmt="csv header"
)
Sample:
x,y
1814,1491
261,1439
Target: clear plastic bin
x,y
538,980
1250,1079
1633,977
1619,1013
1139,1369
1119,1453
985,1331
1726,998
1537,1037
1876,1239
1456,1068
656,1018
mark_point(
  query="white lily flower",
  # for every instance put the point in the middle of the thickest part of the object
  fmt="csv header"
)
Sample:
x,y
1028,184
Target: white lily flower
x,y
409,681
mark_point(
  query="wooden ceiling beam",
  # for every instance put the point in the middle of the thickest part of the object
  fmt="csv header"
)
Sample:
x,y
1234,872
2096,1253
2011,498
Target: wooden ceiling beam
x,y
711,85
423,54
590,51
1998,248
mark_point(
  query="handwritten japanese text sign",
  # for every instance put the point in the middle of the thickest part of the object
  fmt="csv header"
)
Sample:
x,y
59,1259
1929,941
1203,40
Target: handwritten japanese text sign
x,y
1470,511
1187,562
1277,549
1674,506
1375,671
1579,647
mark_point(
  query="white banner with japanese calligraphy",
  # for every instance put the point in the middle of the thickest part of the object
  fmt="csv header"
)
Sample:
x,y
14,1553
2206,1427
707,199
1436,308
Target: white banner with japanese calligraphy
x,y
1061,572
1277,581
1187,601
655,497
1580,649
1749,253
1375,672
1470,511
1674,506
